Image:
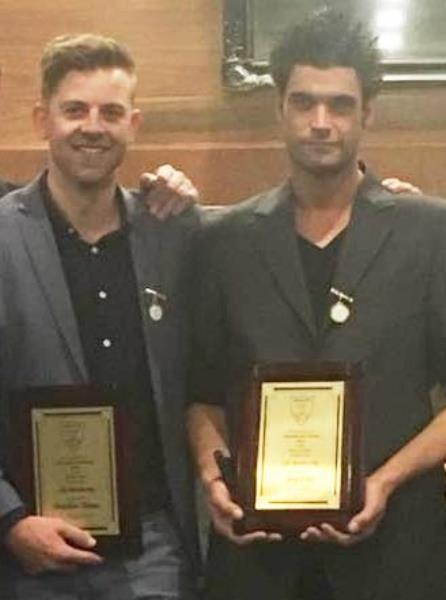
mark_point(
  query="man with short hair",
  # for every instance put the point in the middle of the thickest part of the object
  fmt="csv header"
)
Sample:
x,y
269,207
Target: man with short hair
x,y
166,192
83,265
329,267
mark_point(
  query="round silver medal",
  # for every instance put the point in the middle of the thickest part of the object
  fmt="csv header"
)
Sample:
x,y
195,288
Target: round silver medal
x,y
339,312
155,312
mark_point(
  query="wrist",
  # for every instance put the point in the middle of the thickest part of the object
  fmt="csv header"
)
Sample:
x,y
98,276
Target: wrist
x,y
209,478
215,468
10,520
386,480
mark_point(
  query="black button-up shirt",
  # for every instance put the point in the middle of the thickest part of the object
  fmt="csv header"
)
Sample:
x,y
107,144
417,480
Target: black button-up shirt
x,y
103,290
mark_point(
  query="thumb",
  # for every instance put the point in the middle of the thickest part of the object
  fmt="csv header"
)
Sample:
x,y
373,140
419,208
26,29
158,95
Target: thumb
x,y
221,498
146,181
363,519
76,536
355,524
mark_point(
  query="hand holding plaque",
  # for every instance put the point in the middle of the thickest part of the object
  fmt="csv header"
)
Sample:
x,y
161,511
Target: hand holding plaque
x,y
298,456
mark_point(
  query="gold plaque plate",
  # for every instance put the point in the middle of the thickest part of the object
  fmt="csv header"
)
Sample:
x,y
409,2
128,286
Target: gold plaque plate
x,y
75,466
300,445
75,457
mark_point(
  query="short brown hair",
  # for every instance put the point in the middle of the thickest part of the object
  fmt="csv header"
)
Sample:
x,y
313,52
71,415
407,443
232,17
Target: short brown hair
x,y
80,52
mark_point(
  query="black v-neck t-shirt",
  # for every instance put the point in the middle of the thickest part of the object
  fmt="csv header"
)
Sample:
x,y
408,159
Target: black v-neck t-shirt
x,y
319,266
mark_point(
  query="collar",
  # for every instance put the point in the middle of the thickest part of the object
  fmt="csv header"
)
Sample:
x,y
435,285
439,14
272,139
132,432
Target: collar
x,y
282,198
60,224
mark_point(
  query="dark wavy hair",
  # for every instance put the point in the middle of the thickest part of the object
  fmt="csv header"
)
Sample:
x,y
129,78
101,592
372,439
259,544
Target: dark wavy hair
x,y
328,38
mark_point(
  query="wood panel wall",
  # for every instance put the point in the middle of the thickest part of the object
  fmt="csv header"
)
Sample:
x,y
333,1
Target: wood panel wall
x,y
226,142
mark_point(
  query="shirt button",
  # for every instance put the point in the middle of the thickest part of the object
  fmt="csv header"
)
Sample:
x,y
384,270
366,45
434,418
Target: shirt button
x,y
102,295
106,343
94,250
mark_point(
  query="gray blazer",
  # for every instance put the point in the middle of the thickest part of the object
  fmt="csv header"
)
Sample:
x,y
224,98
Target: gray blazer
x,y
254,306
39,340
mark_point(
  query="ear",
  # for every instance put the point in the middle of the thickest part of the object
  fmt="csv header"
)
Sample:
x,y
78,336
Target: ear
x,y
135,123
40,119
368,113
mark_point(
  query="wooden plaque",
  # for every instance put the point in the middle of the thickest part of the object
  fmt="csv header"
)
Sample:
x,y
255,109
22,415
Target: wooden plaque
x,y
298,458
74,458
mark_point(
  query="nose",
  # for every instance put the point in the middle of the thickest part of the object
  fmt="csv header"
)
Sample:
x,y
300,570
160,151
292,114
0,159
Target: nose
x,y
320,118
92,123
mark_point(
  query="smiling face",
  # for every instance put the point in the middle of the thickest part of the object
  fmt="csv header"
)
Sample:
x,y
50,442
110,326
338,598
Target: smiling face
x,y
323,116
88,123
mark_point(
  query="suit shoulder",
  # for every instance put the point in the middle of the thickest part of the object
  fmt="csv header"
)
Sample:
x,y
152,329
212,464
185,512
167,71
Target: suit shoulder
x,y
422,207
242,214
417,206
11,202
7,186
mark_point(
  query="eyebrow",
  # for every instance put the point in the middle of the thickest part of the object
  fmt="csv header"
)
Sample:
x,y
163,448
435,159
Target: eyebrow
x,y
79,102
308,94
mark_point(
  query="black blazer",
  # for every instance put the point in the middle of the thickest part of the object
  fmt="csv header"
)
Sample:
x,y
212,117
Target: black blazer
x,y
253,306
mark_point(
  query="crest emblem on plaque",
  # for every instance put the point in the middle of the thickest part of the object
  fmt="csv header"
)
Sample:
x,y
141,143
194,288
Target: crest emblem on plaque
x,y
301,409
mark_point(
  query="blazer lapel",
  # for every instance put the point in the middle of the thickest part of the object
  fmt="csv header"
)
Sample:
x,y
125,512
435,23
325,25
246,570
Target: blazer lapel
x,y
370,225
43,254
147,253
277,241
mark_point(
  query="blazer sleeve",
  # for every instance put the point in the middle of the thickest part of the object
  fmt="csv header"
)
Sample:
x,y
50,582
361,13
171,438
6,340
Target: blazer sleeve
x,y
437,306
9,499
208,331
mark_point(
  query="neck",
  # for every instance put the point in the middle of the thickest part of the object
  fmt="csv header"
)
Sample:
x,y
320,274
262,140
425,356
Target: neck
x,y
324,204
334,190
91,209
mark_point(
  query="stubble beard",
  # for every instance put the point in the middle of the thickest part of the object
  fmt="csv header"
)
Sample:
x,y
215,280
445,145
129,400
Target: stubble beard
x,y
82,171
319,169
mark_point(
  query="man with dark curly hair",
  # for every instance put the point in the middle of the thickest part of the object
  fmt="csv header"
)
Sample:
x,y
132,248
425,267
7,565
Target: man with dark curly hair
x,y
329,267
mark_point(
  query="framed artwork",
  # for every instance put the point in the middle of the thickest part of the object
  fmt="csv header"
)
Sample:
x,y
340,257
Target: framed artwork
x,y
410,36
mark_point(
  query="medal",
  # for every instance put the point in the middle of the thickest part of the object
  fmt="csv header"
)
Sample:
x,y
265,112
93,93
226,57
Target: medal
x,y
155,310
340,311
